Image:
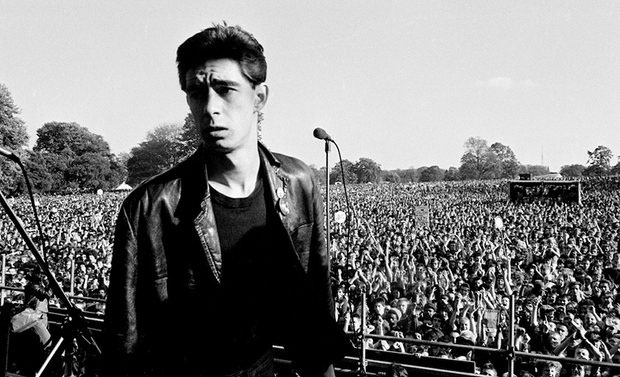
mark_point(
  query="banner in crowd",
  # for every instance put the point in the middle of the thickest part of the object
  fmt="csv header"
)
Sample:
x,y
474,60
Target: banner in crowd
x,y
421,214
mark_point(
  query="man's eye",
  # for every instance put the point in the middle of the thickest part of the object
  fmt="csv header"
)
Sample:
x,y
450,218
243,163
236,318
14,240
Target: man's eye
x,y
224,90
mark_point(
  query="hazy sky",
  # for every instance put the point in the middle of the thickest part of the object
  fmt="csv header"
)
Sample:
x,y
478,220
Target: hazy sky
x,y
402,82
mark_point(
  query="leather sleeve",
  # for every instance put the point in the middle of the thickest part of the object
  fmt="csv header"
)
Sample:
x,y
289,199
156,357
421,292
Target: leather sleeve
x,y
331,344
120,325
318,267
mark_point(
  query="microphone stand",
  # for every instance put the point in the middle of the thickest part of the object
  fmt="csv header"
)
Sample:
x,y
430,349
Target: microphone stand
x,y
74,327
327,209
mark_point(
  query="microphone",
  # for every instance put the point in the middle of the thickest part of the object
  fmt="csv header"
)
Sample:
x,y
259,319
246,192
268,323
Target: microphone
x,y
321,134
10,155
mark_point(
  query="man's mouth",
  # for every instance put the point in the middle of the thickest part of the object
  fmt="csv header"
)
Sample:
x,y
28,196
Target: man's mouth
x,y
213,131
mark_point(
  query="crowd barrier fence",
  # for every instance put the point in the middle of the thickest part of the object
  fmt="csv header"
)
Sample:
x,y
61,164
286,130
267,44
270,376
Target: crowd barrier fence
x,y
359,362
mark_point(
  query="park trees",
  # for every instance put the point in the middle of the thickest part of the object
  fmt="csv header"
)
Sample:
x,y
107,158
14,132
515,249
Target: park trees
x,y
616,168
432,174
452,174
189,136
481,161
12,136
364,170
367,171
408,175
12,129
508,164
574,170
162,149
390,176
535,170
599,161
75,159
478,161
349,174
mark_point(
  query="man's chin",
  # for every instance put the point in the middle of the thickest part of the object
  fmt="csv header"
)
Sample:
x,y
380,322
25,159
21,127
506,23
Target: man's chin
x,y
217,146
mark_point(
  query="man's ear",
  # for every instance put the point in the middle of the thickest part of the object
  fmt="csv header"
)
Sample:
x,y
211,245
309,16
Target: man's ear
x,y
262,93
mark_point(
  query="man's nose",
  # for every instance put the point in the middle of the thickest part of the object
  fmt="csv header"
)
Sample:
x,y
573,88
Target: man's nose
x,y
213,103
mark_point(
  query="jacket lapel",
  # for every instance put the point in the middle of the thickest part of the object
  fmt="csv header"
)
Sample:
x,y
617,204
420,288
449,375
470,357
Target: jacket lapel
x,y
204,222
195,206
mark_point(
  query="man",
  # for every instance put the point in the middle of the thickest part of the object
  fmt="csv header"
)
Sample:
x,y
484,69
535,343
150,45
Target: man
x,y
233,220
31,339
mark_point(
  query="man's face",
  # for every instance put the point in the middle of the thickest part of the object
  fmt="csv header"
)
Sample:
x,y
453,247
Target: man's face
x,y
429,312
582,353
562,330
224,104
555,339
340,293
550,372
402,306
604,287
379,308
392,319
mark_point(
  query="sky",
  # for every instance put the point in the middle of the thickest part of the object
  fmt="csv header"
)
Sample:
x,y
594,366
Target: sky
x,y
404,83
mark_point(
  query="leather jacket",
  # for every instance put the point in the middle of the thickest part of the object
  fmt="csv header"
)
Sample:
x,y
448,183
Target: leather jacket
x,y
167,266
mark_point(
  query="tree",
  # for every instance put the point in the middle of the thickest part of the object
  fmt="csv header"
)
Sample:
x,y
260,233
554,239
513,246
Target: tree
x,y
189,137
336,176
13,133
366,170
13,136
56,165
575,170
40,177
535,170
75,158
452,174
161,150
616,169
432,174
69,139
508,163
478,161
600,160
408,175
594,171
118,169
88,171
390,176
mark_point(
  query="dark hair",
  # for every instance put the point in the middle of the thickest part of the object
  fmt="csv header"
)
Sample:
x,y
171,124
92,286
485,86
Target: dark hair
x,y
33,293
396,370
223,41
379,300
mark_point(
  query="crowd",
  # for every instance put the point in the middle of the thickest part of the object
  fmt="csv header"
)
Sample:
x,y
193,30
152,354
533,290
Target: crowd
x,y
449,277
436,261
77,243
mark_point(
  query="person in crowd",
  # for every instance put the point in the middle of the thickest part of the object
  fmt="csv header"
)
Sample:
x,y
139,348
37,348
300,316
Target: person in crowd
x,y
30,338
396,370
34,314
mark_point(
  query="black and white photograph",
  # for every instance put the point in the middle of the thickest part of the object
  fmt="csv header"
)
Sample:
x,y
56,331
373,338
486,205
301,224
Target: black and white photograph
x,y
309,188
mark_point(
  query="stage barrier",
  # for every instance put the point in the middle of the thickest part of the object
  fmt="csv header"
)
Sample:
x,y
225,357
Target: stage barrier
x,y
361,361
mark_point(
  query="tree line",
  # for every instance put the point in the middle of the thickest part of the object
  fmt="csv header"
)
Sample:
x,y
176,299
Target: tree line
x,y
479,161
67,157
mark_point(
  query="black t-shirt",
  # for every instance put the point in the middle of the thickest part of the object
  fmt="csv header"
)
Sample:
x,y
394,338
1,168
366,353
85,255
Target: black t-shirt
x,y
246,232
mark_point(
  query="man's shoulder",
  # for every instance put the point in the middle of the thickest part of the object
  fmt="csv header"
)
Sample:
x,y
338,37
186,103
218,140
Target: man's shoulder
x,y
165,182
292,165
